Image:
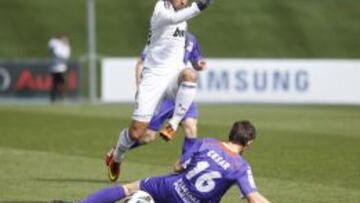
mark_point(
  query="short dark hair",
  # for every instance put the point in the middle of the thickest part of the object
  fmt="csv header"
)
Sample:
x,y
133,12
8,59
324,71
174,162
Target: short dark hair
x,y
242,132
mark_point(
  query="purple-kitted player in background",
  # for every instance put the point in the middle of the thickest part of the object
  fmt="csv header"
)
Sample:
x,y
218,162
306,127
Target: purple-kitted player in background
x,y
204,173
166,108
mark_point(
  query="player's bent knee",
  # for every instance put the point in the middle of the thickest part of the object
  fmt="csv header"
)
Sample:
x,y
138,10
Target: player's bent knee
x,y
136,133
131,188
137,130
188,75
190,132
149,136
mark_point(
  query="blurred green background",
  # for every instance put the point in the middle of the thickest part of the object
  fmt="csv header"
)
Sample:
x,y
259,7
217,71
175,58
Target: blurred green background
x,y
231,28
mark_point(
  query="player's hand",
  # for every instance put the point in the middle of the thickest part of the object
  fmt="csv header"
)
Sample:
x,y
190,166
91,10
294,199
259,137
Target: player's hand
x,y
203,4
177,167
200,65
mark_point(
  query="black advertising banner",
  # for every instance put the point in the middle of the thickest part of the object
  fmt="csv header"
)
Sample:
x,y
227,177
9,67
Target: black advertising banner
x,y
32,79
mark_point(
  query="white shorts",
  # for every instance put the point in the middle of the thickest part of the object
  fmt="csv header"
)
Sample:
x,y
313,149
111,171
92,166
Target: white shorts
x,y
152,89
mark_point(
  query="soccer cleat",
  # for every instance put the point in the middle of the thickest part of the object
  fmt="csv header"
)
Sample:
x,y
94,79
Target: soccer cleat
x,y
113,167
167,133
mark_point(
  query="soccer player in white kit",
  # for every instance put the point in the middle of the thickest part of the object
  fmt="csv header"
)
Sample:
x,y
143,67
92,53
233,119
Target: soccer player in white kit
x,y
60,50
164,75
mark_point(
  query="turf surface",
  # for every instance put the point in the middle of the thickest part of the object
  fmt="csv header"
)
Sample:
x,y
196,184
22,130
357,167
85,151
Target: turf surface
x,y
302,154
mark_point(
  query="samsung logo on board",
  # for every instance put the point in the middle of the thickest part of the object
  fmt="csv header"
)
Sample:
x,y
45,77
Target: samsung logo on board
x,y
255,80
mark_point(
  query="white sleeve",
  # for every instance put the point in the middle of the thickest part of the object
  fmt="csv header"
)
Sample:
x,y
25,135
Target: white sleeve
x,y
51,43
169,16
62,51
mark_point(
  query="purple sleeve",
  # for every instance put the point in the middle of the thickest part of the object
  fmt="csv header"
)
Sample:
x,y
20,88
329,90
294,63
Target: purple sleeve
x,y
195,54
186,157
143,55
187,144
246,182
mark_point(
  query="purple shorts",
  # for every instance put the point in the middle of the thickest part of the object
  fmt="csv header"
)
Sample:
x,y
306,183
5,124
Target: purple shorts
x,y
166,111
161,188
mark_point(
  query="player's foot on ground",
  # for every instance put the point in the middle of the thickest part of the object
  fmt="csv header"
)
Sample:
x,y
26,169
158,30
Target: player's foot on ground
x,y
167,133
113,167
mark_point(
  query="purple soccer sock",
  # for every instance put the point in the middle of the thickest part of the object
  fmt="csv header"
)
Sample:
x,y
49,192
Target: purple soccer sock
x,y
106,195
188,143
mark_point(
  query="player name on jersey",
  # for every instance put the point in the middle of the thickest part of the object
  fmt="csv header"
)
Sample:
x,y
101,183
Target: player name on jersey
x,y
219,160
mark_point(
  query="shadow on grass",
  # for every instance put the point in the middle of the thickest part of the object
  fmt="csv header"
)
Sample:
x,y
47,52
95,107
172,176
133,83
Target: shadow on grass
x,y
24,201
78,180
71,180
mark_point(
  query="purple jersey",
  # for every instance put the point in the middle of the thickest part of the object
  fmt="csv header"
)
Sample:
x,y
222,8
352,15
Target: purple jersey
x,y
192,49
210,170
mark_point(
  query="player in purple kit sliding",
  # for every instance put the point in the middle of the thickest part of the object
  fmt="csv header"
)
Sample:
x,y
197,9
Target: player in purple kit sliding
x,y
204,173
165,111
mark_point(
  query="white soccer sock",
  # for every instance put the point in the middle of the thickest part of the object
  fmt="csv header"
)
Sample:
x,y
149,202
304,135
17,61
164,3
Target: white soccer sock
x,y
185,96
124,143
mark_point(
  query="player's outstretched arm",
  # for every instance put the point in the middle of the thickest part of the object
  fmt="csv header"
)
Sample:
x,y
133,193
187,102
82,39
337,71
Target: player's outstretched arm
x,y
256,197
170,17
203,4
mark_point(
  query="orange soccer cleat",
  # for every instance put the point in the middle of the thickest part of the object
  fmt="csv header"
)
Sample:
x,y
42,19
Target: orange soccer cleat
x,y
167,133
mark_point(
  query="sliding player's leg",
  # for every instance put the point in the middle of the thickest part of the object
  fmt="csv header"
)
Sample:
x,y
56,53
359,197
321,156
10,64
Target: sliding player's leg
x,y
108,194
160,189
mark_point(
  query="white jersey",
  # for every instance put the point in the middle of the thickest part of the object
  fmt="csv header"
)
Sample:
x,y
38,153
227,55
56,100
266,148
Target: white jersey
x,y
60,52
165,49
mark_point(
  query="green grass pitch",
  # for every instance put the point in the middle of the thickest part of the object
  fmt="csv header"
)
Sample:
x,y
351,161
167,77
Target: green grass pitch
x,y
302,154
